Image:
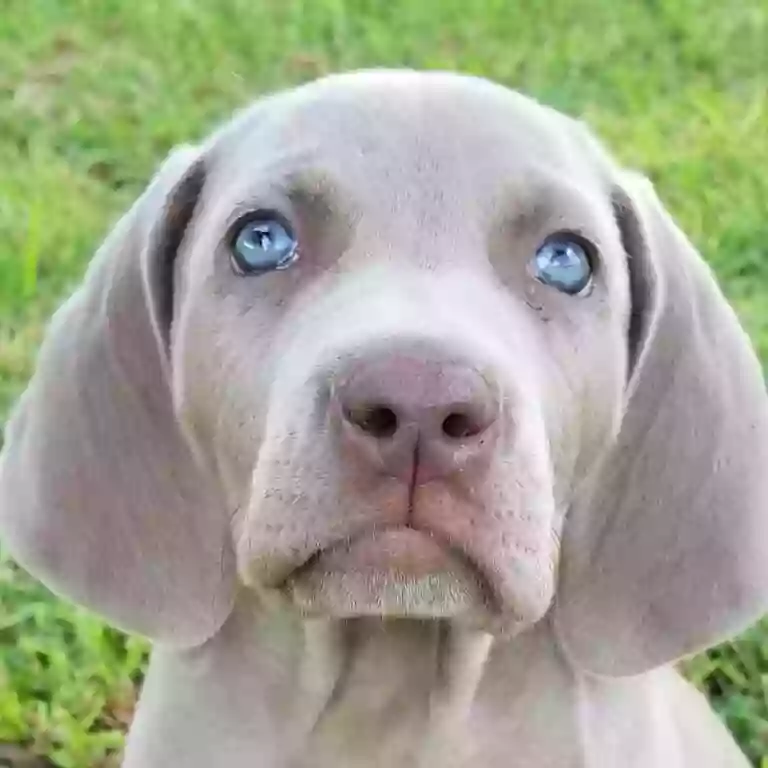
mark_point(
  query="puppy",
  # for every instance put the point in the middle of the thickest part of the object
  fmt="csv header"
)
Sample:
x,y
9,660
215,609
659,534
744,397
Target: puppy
x,y
412,431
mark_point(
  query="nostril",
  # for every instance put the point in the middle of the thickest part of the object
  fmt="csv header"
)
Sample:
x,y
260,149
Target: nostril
x,y
461,425
376,420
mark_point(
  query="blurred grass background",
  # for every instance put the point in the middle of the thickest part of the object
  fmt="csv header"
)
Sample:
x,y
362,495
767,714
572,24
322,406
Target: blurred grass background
x,y
93,93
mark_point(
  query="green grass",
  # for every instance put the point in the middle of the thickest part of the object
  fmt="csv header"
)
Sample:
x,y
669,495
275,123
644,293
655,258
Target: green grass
x,y
94,92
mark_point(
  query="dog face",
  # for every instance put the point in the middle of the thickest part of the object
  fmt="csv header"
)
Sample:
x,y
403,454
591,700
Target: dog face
x,y
401,413
379,346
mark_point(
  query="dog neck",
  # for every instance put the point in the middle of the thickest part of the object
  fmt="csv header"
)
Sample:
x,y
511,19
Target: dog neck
x,y
275,689
394,683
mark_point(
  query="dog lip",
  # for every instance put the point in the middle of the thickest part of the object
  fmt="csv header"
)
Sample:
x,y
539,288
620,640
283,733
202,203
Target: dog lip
x,y
451,550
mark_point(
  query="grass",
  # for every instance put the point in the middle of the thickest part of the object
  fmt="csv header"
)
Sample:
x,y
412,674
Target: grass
x,y
94,92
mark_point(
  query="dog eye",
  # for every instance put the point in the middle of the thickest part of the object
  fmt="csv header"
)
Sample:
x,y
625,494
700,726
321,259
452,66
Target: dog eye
x,y
563,263
263,244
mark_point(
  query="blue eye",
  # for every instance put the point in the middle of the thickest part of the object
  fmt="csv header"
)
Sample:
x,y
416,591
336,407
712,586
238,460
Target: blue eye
x,y
563,263
263,244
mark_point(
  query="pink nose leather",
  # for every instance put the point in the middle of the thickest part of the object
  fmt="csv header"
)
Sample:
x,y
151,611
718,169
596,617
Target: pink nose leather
x,y
409,414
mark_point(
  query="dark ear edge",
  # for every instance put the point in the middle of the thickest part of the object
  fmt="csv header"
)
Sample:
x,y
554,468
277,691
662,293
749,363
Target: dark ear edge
x,y
644,286
164,243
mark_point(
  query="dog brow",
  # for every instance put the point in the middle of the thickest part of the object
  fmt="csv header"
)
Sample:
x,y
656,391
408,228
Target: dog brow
x,y
537,203
318,189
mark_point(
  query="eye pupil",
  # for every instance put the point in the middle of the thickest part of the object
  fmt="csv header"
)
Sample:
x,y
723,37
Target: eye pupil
x,y
263,244
563,263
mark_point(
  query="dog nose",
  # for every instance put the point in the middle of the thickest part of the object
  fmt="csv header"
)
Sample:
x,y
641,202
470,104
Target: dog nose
x,y
409,413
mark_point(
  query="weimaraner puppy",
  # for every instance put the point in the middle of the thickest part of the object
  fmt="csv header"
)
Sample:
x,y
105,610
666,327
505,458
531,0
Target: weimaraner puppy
x,y
412,431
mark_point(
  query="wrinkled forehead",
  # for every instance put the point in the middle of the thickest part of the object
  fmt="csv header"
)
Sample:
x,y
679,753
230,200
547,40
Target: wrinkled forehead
x,y
396,139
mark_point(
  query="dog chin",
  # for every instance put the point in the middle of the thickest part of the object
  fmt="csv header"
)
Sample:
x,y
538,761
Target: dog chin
x,y
395,573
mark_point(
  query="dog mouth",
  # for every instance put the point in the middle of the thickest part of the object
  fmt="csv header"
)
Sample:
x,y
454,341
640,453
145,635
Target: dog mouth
x,y
397,572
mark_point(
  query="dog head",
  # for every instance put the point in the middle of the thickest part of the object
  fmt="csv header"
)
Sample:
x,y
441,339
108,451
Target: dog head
x,y
399,344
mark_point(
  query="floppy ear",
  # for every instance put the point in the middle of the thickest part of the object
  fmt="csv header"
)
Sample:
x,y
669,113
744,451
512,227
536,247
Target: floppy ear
x,y
665,552
100,497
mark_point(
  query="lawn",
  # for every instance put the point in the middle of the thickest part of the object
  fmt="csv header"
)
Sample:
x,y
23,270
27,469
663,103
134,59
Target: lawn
x,y
94,92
